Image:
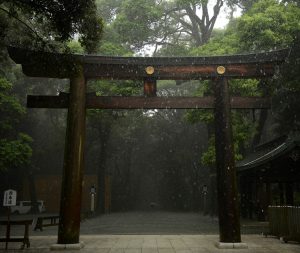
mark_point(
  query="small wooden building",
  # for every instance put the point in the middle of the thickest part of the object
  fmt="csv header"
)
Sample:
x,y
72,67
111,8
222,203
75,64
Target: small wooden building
x,y
270,176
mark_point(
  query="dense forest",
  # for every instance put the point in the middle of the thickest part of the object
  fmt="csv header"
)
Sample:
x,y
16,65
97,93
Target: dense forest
x,y
156,158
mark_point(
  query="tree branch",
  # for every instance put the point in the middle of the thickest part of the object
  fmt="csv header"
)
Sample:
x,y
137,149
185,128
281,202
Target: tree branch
x,y
23,23
217,9
196,23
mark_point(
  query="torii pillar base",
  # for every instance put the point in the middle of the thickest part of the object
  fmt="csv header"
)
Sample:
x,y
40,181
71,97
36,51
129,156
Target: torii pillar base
x,y
71,247
229,245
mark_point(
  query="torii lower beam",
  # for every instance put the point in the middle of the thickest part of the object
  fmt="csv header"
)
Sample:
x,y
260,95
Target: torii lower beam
x,y
117,102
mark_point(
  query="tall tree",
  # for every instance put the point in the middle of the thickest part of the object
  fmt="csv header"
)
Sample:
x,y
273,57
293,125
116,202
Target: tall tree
x,y
195,19
141,23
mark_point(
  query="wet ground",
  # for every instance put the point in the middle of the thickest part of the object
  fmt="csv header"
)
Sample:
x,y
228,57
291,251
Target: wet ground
x,y
149,223
154,232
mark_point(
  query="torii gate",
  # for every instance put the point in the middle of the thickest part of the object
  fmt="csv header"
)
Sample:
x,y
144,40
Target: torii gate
x,y
79,68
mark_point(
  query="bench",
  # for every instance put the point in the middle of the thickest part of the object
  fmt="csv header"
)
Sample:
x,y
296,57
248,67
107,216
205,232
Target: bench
x,y
257,227
24,239
45,221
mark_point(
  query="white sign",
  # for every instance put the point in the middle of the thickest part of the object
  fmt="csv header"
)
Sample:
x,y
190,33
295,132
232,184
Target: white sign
x,y
10,198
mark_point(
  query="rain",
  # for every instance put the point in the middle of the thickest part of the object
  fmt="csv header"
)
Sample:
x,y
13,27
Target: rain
x,y
150,125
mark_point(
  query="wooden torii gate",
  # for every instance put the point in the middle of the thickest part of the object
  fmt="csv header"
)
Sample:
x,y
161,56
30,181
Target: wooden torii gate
x,y
80,68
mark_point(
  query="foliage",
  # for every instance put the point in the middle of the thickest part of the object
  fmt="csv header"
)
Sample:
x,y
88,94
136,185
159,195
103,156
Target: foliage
x,y
115,88
223,44
113,49
243,130
15,147
15,153
269,24
11,109
245,5
248,87
108,9
137,21
75,47
286,97
196,115
48,23
172,50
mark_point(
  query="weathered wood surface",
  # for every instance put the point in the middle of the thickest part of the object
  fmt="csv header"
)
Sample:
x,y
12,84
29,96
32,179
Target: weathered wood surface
x,y
72,179
228,201
190,72
45,64
150,87
117,102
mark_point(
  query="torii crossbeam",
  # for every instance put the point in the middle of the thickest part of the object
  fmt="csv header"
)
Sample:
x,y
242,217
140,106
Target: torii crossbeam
x,y
79,68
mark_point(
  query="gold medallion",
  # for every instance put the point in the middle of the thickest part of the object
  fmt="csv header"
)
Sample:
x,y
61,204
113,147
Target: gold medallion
x,y
221,70
149,70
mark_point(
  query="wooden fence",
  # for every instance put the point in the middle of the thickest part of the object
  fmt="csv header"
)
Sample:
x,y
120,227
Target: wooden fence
x,y
284,222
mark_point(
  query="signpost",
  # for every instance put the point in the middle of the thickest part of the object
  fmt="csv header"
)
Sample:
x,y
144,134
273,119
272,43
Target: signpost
x,y
9,199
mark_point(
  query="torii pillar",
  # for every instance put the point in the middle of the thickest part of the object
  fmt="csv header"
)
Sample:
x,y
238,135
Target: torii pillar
x,y
71,191
228,203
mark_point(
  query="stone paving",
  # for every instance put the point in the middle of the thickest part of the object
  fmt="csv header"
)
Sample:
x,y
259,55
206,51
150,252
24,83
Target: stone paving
x,y
151,223
151,233
159,244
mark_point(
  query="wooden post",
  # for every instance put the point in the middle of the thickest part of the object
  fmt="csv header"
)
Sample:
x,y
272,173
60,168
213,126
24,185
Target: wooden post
x,y
150,87
70,206
229,217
